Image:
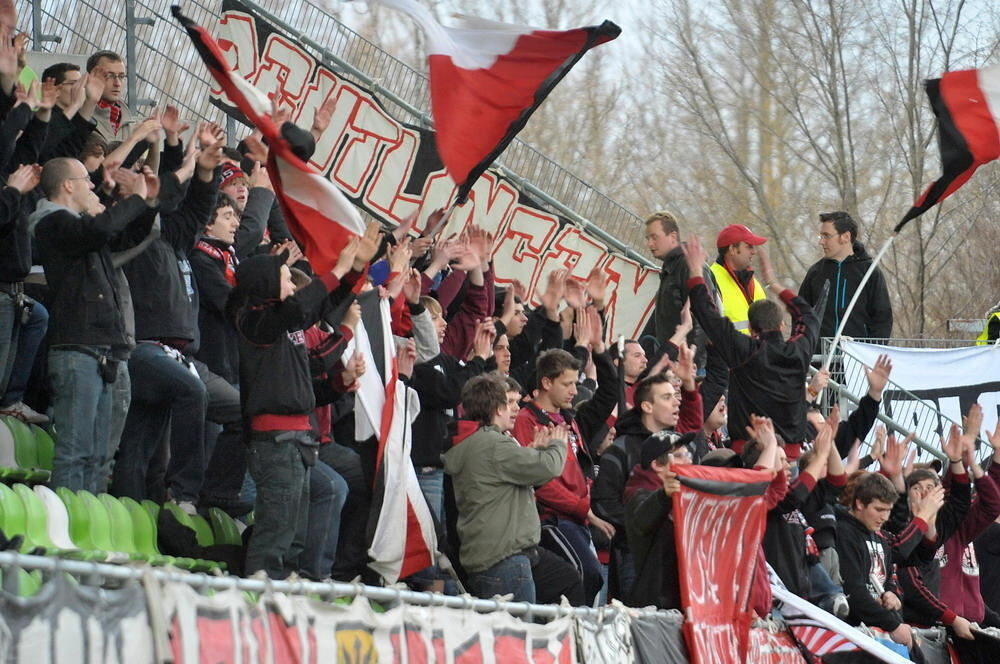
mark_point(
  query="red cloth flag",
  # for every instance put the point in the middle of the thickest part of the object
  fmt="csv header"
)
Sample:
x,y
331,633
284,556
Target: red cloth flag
x,y
487,78
967,106
317,213
719,517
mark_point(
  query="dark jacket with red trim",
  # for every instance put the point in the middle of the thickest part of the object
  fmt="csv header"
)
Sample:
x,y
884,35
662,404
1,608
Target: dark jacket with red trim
x,y
867,566
960,580
568,495
767,373
275,372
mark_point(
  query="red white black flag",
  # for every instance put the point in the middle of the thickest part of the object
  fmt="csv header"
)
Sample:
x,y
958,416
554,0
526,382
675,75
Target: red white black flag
x,y
967,106
318,214
486,80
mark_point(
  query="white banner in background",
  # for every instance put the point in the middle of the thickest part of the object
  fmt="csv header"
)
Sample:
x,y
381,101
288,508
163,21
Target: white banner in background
x,y
950,379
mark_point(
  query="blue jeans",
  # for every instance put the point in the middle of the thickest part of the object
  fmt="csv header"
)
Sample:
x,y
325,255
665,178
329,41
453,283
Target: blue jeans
x,y
121,398
164,391
512,575
327,494
578,536
822,588
431,482
281,513
81,416
18,346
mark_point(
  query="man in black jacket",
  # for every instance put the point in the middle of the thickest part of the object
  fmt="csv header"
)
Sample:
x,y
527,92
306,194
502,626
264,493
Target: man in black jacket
x,y
87,333
868,556
844,263
767,372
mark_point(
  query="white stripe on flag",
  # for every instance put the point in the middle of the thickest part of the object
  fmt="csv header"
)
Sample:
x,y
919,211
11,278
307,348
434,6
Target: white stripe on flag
x,y
989,83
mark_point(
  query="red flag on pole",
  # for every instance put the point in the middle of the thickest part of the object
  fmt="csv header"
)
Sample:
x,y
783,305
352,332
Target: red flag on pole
x,y
487,78
317,213
967,106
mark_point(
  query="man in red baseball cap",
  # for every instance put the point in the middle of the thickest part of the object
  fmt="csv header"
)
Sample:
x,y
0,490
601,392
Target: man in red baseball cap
x,y
733,274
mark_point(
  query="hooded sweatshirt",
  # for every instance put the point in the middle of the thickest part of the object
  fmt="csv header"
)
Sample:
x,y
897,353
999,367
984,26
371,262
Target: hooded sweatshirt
x,y
493,476
871,317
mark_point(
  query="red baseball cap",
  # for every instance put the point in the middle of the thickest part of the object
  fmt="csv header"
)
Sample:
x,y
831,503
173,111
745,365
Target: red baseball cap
x,y
734,233
231,172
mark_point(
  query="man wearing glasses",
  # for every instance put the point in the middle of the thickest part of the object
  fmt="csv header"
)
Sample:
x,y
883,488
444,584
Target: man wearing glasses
x,y
843,265
113,117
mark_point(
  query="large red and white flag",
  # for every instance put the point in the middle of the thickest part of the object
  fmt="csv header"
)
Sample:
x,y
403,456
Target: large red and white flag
x,y
967,106
719,517
404,540
486,80
317,213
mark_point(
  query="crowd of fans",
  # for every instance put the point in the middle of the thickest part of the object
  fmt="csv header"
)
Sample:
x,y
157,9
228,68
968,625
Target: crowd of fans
x,y
184,350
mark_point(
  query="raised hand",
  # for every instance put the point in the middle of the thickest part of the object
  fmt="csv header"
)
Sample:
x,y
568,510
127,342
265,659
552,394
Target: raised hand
x,y
582,330
256,150
853,457
368,245
321,120
574,295
129,183
347,256
404,227
766,267
95,84
954,446
694,254
399,258
520,290
596,330
25,178
152,182
352,316
172,124
597,287
406,357
553,294
260,178
878,376
926,506
972,423
49,94
412,287
482,340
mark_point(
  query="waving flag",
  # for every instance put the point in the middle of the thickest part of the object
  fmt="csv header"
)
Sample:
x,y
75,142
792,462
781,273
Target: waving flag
x,y
967,106
318,214
487,78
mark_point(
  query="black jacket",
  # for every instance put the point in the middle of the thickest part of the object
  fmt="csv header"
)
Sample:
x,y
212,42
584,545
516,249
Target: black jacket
x,y
855,545
650,530
871,317
439,383
607,492
163,294
77,259
766,374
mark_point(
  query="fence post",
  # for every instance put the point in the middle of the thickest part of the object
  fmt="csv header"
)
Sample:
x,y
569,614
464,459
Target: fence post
x,y
36,26
131,40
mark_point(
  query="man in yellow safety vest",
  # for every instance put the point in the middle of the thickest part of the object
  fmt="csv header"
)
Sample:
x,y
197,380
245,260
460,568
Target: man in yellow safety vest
x,y
991,331
734,276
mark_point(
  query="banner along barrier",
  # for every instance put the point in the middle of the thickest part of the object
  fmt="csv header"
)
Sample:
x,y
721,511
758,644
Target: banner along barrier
x,y
391,169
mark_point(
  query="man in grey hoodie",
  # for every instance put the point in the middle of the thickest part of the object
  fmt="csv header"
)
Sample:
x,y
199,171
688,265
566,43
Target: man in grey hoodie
x,y
493,478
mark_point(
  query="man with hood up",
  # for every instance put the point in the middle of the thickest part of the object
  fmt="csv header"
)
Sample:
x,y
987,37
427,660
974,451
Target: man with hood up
x,y
277,393
844,263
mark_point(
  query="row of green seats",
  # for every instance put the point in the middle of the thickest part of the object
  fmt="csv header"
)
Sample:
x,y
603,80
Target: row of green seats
x,y
26,451
82,526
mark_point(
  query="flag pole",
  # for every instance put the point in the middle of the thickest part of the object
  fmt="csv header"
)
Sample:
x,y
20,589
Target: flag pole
x,y
854,300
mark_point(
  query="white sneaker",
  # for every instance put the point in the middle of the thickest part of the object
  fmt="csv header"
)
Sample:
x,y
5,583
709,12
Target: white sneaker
x,y
188,507
840,606
24,412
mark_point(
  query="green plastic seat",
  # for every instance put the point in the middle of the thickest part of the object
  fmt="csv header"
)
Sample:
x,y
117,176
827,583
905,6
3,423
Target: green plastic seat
x,y
58,525
144,535
100,527
122,535
45,448
224,527
152,508
15,520
9,470
25,451
79,521
37,520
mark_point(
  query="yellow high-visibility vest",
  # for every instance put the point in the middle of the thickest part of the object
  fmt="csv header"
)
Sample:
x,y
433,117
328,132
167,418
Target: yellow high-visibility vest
x,y
984,337
734,303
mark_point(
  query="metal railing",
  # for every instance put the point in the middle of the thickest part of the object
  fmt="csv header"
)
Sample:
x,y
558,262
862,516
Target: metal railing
x,y
95,573
901,411
164,67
